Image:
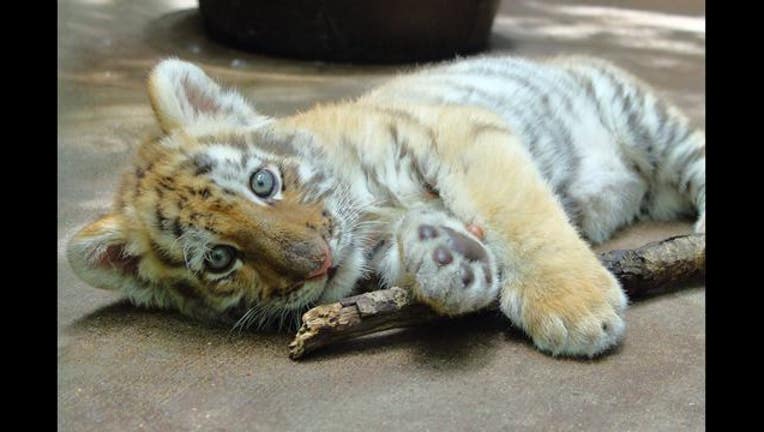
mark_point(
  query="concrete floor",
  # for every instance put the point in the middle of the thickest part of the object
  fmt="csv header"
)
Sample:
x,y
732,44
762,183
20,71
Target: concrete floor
x,y
120,368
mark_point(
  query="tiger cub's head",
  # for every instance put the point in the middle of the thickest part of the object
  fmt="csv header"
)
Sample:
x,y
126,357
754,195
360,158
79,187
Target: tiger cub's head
x,y
227,216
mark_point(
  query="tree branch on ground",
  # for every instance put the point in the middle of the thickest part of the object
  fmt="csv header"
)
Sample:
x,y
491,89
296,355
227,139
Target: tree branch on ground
x,y
651,269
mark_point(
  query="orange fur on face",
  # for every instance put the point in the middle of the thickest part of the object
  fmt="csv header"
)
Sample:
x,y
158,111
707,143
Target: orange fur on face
x,y
167,202
283,242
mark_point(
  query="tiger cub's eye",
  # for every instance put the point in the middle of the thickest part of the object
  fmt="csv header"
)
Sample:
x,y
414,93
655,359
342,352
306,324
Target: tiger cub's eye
x,y
263,183
221,258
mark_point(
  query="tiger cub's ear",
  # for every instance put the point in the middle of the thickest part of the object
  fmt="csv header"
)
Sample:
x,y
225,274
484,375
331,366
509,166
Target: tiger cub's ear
x,y
99,254
182,95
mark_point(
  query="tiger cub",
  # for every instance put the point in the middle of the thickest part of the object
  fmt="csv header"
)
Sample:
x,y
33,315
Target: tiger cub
x,y
465,182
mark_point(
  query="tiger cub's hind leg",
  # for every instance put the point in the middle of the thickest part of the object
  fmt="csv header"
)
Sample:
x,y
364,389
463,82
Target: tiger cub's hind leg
x,y
653,140
604,197
444,264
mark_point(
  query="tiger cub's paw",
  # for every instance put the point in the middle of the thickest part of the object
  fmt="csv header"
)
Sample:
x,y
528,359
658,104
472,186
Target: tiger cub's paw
x,y
453,271
582,319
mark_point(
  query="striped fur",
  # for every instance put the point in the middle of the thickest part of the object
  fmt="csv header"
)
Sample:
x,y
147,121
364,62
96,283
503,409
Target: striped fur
x,y
539,155
591,128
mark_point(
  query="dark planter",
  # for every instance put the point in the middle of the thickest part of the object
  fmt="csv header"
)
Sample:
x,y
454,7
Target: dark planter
x,y
352,30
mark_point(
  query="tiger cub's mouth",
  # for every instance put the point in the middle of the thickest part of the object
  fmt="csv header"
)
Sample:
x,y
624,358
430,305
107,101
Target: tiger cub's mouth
x,y
331,272
328,273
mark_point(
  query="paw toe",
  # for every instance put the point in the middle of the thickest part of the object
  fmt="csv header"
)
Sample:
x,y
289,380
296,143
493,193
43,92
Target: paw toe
x,y
585,337
452,271
465,246
597,335
427,232
442,256
552,336
468,276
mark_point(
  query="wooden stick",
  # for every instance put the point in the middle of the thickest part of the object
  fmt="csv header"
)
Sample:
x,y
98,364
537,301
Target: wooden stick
x,y
650,269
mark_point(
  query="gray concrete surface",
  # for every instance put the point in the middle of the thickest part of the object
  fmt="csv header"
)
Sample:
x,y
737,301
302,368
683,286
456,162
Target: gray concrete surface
x,y
120,368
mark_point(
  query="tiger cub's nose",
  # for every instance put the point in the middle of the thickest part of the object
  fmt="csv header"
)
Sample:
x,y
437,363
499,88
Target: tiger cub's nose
x,y
322,268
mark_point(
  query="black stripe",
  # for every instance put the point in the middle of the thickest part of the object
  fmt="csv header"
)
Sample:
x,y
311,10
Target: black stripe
x,y
586,84
408,117
164,256
393,130
550,87
203,164
177,228
278,144
543,118
244,159
543,124
186,290
399,114
481,128
167,182
163,223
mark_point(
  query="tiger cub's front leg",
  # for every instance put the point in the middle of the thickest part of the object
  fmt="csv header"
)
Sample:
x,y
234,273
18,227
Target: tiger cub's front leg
x,y
552,284
443,263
